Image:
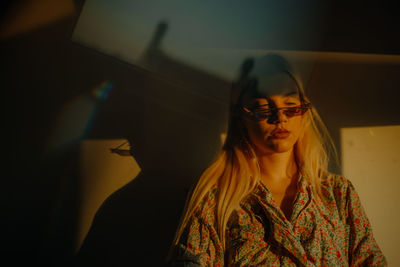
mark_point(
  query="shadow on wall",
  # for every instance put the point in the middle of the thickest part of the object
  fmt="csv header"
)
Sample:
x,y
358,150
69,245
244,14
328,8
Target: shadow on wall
x,y
136,223
173,126
173,121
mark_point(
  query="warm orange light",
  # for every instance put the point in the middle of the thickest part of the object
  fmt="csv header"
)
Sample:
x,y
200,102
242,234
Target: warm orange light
x,y
31,14
102,173
371,161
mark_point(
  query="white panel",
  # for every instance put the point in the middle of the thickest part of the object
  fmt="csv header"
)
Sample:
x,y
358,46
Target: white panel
x,y
371,161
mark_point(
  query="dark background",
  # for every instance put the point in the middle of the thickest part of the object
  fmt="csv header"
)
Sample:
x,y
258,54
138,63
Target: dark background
x,y
174,131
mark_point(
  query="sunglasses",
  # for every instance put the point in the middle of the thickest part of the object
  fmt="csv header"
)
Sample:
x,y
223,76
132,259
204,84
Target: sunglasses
x,y
260,114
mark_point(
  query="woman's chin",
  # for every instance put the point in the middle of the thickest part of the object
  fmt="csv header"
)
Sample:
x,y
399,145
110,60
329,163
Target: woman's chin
x,y
282,148
277,146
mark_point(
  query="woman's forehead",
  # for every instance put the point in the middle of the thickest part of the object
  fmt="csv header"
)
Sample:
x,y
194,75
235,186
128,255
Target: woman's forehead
x,y
256,98
277,84
249,100
282,94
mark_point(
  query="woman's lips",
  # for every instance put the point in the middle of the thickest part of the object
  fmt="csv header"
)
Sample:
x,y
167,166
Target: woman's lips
x,y
280,133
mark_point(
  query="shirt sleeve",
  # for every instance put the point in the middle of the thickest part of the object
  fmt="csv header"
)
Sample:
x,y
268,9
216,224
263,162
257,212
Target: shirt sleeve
x,y
363,249
199,245
247,244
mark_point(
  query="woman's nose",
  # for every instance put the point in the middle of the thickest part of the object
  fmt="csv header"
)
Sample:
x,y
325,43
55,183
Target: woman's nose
x,y
282,116
278,116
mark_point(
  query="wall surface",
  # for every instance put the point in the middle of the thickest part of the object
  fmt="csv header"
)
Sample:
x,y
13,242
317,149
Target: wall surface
x,y
371,160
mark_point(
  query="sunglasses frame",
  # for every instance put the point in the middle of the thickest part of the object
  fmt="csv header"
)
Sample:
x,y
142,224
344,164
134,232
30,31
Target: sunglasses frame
x,y
254,111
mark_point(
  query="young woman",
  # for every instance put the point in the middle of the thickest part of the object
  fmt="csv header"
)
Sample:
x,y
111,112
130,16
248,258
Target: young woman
x,y
268,199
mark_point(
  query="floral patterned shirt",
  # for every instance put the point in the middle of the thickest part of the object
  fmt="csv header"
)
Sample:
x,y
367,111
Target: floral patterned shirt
x,y
334,233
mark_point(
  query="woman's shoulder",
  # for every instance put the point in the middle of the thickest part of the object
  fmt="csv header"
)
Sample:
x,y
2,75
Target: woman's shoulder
x,y
334,181
337,189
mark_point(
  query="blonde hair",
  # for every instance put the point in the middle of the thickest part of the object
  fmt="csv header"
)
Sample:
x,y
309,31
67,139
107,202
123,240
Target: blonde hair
x,y
236,171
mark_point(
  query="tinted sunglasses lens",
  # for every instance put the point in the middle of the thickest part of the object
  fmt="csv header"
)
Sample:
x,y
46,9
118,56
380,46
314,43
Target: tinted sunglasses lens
x,y
294,111
260,115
